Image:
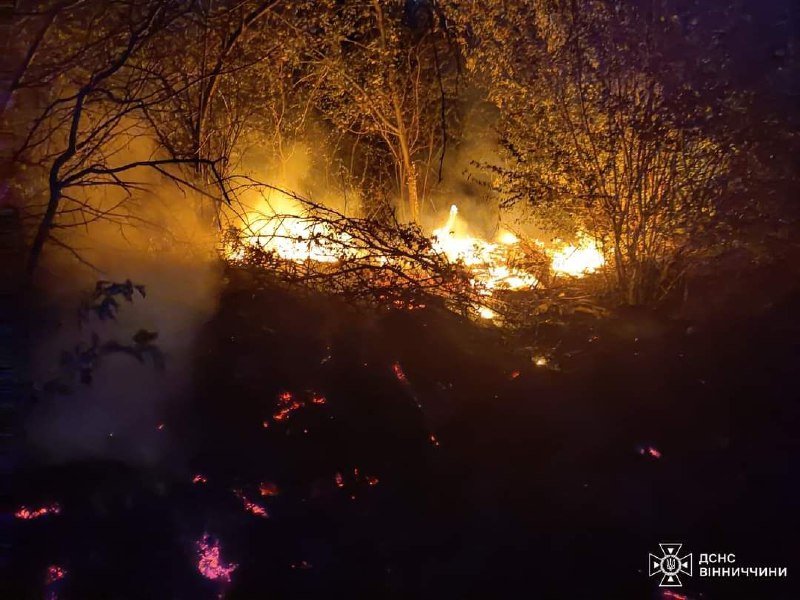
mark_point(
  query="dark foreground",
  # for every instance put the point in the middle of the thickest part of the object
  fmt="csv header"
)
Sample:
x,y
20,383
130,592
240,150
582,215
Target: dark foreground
x,y
464,469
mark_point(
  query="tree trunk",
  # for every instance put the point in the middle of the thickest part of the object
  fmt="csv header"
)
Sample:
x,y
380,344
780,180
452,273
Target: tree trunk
x,y
408,166
413,193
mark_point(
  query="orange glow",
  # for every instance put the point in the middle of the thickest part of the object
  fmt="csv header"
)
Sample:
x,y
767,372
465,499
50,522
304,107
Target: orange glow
x,y
250,506
279,227
287,404
399,373
267,488
488,262
210,563
579,260
28,514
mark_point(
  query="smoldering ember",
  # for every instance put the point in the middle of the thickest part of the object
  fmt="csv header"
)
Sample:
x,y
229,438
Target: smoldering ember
x,y
400,299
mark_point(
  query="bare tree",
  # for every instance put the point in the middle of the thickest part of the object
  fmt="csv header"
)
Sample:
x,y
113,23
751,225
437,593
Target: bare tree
x,y
387,79
93,84
600,134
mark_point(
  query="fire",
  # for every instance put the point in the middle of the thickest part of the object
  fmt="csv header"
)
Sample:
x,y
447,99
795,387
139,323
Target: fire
x,y
650,451
489,262
289,403
295,238
54,573
399,373
484,312
578,260
252,507
28,514
210,563
358,479
267,488
286,406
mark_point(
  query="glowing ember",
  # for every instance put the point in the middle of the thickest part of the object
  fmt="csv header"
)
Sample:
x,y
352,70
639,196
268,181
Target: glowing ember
x,y
578,260
250,506
357,480
540,361
287,404
28,514
433,440
199,479
651,451
54,573
399,373
267,488
210,563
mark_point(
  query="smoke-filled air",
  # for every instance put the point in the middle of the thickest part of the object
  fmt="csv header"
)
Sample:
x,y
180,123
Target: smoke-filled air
x,y
399,298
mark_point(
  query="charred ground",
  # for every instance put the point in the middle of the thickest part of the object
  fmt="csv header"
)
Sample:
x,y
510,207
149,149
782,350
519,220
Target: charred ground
x,y
478,472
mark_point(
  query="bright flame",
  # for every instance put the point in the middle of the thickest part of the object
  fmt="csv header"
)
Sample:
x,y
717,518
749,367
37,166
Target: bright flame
x,y
275,223
484,312
300,239
488,261
507,238
578,260
295,238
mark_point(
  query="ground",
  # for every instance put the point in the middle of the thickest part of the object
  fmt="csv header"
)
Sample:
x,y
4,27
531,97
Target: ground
x,y
479,472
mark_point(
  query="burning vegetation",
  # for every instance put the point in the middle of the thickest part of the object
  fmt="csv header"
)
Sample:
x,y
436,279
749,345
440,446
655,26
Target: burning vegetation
x,y
345,148
382,290
210,562
27,514
401,267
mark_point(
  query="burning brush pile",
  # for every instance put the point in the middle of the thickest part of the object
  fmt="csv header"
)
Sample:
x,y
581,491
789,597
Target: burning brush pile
x,y
390,264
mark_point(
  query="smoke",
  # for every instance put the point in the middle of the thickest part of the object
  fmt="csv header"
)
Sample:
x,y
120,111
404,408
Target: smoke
x,y
167,240
468,181
167,245
301,168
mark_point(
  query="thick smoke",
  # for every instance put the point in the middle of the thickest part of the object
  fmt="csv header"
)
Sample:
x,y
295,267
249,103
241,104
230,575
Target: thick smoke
x,y
169,243
168,246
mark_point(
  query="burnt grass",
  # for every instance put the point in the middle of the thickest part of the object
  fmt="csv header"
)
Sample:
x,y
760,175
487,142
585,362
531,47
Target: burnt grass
x,y
541,483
